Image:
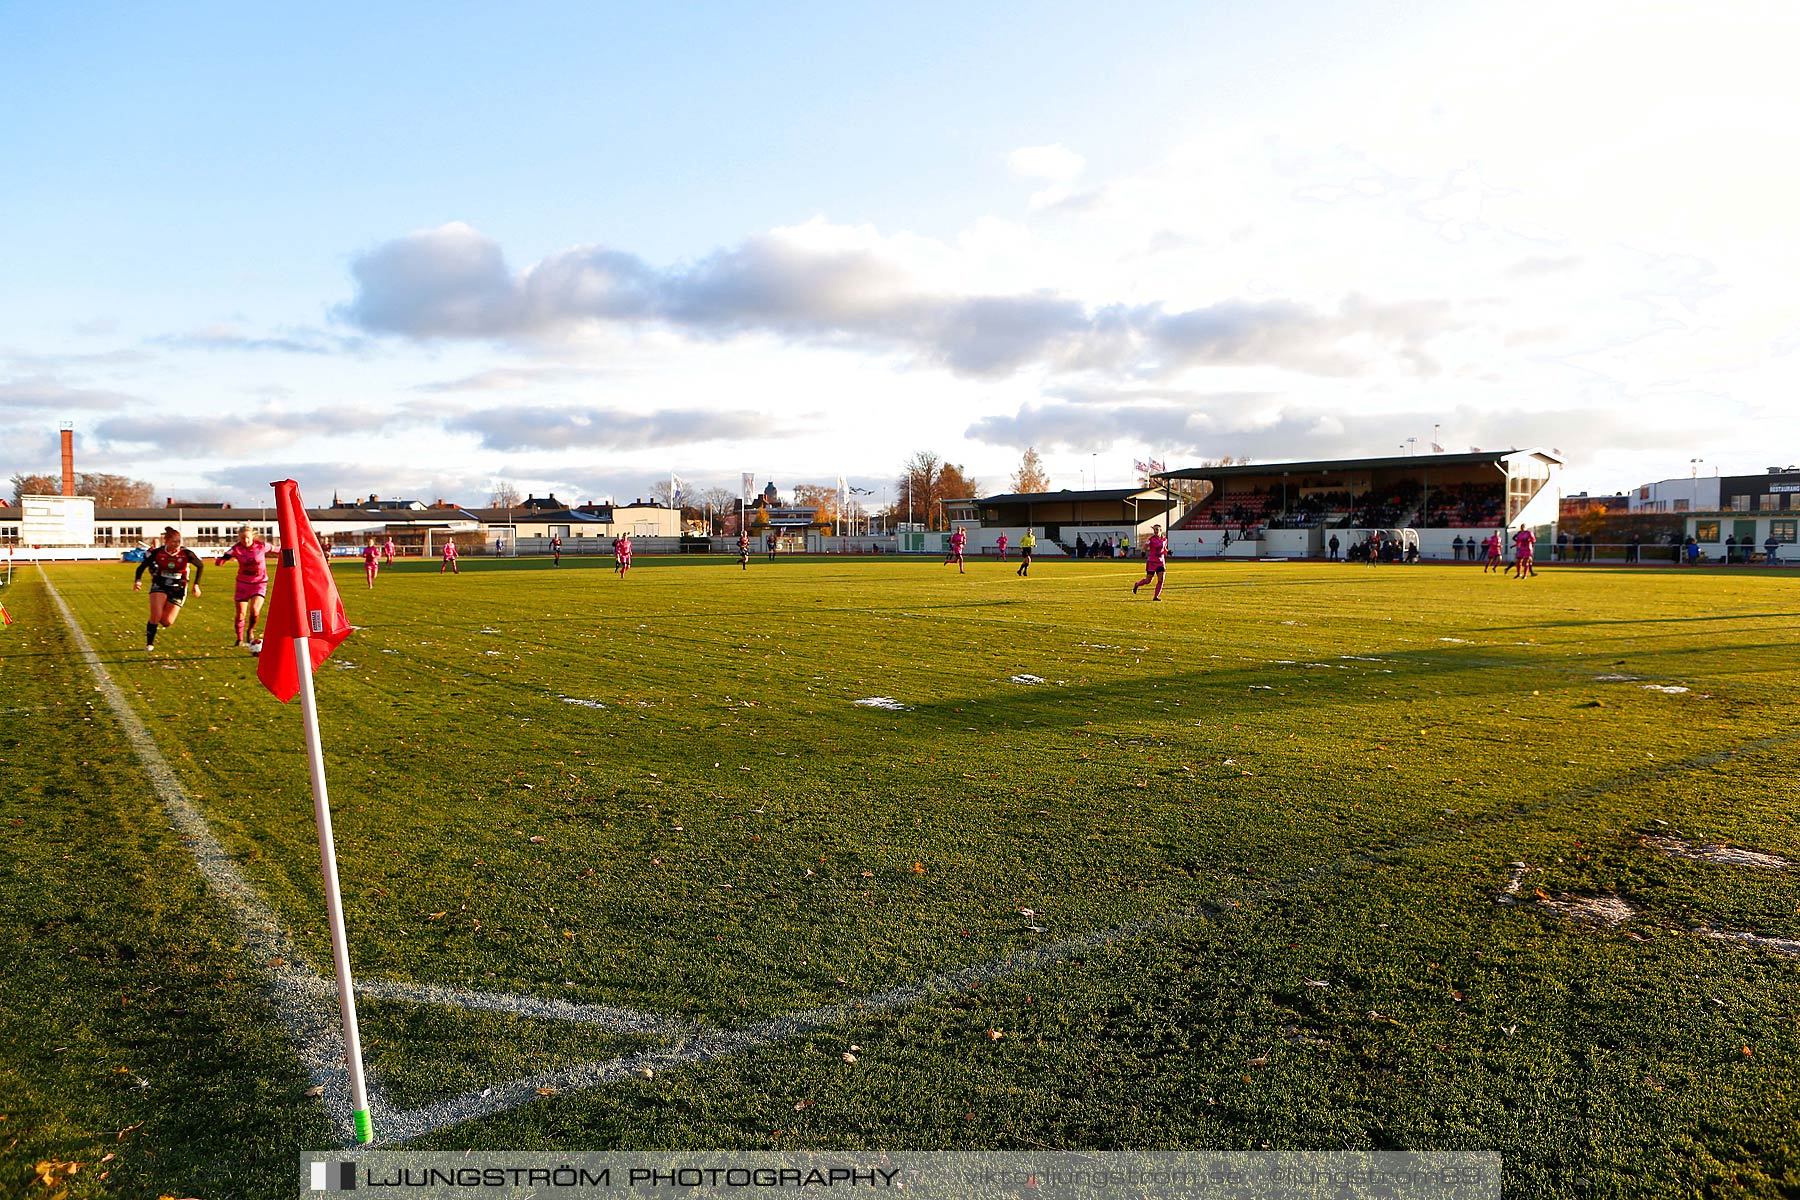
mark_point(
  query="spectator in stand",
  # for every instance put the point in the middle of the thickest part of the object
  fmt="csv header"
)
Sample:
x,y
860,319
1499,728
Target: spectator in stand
x,y
1693,552
1456,547
1730,549
1771,552
1080,546
1332,548
1675,548
1632,548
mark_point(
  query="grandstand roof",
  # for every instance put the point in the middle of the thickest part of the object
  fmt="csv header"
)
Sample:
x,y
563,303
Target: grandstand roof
x,y
1324,466
1066,496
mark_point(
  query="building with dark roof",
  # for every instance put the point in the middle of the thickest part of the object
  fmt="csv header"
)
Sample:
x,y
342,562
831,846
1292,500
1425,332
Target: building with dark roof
x,y
1294,509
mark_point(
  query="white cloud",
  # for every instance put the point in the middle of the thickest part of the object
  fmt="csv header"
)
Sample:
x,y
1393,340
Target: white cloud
x,y
1055,162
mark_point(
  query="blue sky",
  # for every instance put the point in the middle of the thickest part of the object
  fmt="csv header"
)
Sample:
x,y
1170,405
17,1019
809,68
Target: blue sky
x,y
804,240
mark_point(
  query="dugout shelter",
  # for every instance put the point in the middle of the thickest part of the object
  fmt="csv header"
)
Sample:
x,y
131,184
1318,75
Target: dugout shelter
x,y
1060,517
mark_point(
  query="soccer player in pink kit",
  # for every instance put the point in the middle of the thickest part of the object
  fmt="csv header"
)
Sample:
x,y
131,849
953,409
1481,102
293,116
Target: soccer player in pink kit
x,y
1000,544
1492,545
1156,553
252,557
1524,544
958,540
622,554
371,561
449,558
387,551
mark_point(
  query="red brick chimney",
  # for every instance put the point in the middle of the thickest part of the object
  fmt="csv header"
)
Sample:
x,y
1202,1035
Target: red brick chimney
x,y
68,449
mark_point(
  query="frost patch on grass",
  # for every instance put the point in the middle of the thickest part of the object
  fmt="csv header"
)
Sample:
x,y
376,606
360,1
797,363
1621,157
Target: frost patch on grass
x,y
1601,910
1456,641
487,631
1779,945
1673,689
1730,856
1097,646
1615,678
581,702
887,702
1017,679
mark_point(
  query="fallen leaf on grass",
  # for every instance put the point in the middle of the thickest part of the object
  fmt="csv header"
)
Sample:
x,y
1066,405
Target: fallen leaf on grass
x,y
995,1035
433,916
849,1057
315,1091
802,1104
918,868
546,1091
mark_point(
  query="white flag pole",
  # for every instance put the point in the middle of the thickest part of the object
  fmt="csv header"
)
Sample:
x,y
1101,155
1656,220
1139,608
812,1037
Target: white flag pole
x,y
334,905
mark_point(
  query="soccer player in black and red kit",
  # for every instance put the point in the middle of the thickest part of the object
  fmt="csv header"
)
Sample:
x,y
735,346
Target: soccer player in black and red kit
x,y
168,565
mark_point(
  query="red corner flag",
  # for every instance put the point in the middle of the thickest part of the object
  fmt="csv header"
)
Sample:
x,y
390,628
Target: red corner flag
x,y
304,603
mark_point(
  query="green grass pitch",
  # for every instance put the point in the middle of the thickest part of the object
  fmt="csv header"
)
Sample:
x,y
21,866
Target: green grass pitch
x,y
1262,828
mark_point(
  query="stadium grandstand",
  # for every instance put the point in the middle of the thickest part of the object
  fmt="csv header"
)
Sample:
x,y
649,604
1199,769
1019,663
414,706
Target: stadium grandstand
x,y
1293,509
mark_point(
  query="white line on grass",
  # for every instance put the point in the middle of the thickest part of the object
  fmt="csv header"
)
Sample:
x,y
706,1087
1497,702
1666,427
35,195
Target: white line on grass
x,y
715,1044
305,1002
294,988
523,1004
301,995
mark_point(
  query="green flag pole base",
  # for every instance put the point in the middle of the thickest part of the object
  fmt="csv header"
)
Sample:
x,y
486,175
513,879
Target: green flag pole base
x,y
365,1129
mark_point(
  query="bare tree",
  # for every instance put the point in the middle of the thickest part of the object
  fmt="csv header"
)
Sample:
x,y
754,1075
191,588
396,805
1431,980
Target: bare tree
x,y
34,485
115,491
925,482
505,494
108,491
1030,476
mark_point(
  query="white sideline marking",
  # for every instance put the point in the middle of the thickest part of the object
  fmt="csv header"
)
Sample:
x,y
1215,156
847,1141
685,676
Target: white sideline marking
x,y
294,987
305,1002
